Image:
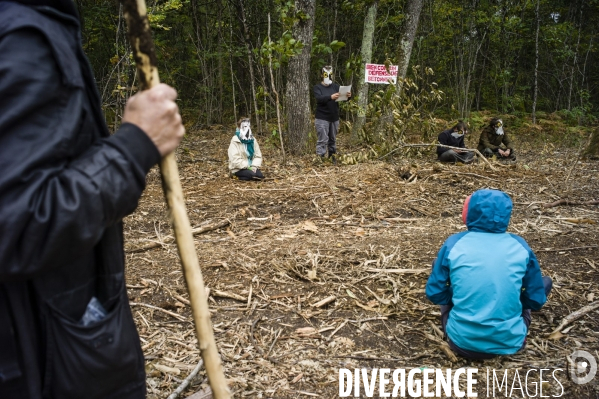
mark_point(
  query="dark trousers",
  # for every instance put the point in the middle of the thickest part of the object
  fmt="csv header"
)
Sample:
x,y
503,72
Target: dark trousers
x,y
526,315
487,152
247,174
452,156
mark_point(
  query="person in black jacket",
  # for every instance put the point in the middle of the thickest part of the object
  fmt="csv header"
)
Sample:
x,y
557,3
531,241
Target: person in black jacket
x,y
66,329
327,114
454,137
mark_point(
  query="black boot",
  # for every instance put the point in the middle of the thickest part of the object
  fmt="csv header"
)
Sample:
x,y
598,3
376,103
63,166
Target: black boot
x,y
333,158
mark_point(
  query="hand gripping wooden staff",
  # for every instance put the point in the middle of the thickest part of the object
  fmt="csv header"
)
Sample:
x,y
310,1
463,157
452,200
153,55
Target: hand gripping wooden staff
x,y
145,58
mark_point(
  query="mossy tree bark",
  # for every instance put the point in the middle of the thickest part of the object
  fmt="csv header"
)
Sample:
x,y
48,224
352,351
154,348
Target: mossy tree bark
x,y
366,53
404,50
297,94
592,151
403,53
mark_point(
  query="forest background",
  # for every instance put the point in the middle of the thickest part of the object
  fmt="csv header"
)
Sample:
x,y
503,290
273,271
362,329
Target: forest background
x,y
307,233
533,61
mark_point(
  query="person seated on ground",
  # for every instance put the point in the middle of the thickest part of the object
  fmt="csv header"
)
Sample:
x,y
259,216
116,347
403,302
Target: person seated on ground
x,y
454,137
486,298
491,139
245,157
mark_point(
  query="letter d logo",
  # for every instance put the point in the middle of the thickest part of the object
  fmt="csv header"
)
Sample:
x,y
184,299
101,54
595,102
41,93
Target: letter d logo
x,y
578,368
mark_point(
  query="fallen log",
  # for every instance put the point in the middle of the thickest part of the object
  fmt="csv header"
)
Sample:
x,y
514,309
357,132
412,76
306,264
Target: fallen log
x,y
477,152
168,312
169,239
400,271
567,249
568,202
230,295
556,334
186,381
323,302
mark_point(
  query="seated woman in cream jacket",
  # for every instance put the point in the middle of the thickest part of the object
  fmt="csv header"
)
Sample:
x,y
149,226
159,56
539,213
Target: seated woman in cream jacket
x,y
245,157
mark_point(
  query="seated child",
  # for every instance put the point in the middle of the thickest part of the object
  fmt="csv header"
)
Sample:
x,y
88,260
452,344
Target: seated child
x,y
486,281
245,157
455,138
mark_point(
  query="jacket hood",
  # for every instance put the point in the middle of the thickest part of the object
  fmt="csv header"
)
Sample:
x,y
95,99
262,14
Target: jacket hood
x,y
489,211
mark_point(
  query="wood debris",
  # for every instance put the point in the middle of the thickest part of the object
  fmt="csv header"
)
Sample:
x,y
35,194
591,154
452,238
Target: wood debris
x,y
369,244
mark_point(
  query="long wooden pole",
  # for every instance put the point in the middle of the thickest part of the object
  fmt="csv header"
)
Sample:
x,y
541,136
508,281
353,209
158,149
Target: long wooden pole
x,y
145,58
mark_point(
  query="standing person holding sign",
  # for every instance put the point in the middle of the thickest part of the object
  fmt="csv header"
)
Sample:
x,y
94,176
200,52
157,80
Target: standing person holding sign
x,y
328,95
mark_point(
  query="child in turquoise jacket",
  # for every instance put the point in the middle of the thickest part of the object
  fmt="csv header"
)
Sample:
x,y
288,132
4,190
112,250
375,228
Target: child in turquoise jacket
x,y
487,281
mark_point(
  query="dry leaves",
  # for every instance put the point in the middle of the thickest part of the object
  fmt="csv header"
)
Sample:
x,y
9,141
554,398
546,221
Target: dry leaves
x,y
295,241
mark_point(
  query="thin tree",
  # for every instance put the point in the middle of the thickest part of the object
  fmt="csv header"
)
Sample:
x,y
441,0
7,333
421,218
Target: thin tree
x,y
297,94
536,81
248,48
404,50
366,53
592,150
272,84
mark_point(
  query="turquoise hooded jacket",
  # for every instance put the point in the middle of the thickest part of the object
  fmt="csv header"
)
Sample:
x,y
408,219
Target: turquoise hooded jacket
x,y
489,276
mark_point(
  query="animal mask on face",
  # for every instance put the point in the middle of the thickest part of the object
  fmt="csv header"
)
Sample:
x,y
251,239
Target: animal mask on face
x,y
245,131
327,74
457,134
499,127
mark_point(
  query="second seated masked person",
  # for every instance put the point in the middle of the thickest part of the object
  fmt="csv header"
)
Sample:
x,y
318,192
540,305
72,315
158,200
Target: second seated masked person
x,y
245,157
454,137
327,114
491,139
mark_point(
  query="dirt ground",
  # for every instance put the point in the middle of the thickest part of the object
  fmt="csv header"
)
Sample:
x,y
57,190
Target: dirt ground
x,y
365,235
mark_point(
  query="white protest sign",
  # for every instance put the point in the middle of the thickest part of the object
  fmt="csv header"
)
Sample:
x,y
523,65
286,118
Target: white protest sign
x,y
377,73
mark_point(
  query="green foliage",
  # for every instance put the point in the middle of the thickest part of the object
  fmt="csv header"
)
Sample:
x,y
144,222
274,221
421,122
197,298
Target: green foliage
x,y
393,113
321,49
581,114
159,13
482,52
282,50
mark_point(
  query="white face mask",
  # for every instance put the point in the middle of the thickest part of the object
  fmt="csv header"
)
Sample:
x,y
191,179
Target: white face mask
x,y
245,131
499,129
327,74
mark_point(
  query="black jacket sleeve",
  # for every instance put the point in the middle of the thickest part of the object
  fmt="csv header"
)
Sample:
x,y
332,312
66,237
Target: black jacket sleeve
x,y
320,96
55,205
443,139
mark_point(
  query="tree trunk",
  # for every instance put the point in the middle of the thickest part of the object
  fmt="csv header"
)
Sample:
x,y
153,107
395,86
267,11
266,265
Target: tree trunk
x,y
246,36
362,92
221,81
575,63
232,74
298,84
592,150
404,50
274,90
536,80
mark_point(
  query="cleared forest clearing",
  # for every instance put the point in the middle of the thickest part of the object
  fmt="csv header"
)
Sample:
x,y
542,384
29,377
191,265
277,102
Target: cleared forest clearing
x,y
362,234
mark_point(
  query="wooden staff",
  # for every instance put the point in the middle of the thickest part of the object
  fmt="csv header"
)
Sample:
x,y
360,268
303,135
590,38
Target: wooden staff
x,y
145,58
